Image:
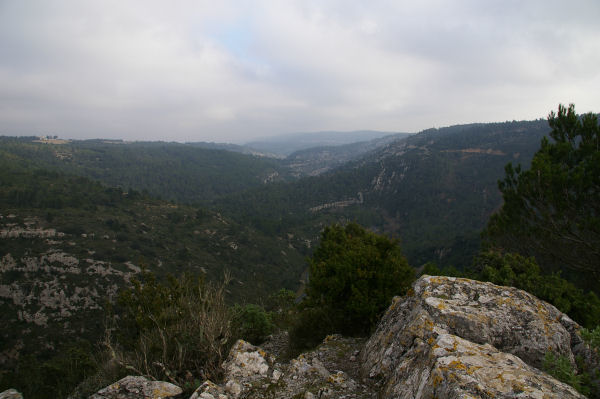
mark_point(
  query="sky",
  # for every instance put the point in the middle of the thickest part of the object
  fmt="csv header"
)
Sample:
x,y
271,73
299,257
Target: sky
x,y
233,71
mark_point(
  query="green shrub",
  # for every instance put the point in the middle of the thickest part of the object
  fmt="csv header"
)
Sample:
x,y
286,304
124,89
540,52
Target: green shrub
x,y
55,377
252,323
592,336
281,305
281,300
561,368
430,268
354,274
310,326
106,372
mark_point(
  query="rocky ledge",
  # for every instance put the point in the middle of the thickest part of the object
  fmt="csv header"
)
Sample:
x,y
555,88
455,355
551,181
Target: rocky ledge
x,y
448,338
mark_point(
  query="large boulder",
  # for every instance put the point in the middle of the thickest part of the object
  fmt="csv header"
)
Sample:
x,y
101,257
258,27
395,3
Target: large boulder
x,y
458,338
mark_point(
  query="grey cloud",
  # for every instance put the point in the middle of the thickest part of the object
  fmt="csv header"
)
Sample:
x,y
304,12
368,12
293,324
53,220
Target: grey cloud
x,y
230,71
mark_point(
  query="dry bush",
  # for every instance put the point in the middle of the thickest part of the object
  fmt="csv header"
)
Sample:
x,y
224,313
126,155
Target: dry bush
x,y
178,331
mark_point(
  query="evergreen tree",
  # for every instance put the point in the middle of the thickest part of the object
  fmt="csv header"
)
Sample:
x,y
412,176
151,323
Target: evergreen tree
x,y
354,274
552,210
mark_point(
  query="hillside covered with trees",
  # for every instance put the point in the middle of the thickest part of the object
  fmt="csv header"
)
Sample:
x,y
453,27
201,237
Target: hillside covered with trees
x,y
68,245
185,173
131,281
434,190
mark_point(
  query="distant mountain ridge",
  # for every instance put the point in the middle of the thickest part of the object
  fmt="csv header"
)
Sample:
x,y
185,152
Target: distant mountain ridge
x,y
242,149
317,160
288,144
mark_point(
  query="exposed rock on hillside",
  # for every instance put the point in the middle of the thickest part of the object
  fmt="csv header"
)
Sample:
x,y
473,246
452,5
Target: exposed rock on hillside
x,y
48,286
449,338
58,267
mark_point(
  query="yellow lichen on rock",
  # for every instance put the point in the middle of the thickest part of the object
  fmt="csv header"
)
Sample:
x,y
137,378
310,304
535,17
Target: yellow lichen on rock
x,y
448,339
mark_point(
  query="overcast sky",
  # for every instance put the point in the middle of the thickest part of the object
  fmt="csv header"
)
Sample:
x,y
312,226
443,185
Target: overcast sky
x,y
235,70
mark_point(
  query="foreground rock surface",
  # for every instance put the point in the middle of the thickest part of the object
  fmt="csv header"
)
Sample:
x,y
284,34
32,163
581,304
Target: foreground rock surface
x,y
11,394
449,338
459,338
327,372
137,388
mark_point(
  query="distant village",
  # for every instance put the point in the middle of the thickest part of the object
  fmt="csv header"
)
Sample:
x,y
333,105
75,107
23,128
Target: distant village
x,y
51,140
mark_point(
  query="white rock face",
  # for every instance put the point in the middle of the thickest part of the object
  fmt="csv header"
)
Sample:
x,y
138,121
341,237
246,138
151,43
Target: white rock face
x,y
16,232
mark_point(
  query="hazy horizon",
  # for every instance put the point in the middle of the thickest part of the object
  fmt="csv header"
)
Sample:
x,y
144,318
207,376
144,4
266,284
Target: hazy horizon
x,y
240,71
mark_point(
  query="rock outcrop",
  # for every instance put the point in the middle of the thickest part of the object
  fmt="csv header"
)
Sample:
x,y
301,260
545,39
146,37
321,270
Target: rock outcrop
x,y
458,338
449,338
329,371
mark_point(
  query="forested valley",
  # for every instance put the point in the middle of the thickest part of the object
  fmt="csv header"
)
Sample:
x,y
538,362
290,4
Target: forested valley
x,y
105,237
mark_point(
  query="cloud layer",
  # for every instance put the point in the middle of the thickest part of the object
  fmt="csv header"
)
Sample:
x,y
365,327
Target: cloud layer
x,y
194,70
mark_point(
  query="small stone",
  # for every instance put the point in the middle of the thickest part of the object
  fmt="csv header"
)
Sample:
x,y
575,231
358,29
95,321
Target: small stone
x,y
246,360
11,394
233,388
138,387
208,390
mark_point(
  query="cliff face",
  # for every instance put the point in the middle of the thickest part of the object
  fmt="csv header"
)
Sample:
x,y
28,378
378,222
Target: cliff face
x,y
449,338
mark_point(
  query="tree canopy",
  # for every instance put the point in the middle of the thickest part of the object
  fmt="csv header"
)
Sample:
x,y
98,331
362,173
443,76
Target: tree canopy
x,y
552,210
354,274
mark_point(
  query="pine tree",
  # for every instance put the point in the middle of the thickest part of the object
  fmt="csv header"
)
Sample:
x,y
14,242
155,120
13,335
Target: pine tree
x,y
552,210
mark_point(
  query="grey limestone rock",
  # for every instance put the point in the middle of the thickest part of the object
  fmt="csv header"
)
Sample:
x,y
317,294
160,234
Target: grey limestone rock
x,y
136,387
458,338
250,372
11,394
209,390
